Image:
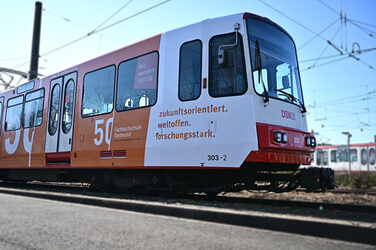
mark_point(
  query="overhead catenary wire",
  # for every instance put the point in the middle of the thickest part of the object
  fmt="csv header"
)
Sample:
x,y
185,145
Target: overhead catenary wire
x,y
330,8
109,18
13,58
338,55
322,31
308,29
106,27
360,22
326,47
358,59
339,116
99,30
293,20
324,64
367,31
335,101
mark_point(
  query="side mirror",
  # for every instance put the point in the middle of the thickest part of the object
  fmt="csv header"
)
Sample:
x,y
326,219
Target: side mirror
x,y
221,51
285,82
5,126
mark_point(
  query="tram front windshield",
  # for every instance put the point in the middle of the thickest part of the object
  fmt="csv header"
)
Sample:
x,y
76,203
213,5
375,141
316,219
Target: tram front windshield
x,y
274,62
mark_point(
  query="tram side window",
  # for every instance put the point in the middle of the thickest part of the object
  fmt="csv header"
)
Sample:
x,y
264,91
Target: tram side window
x,y
343,155
190,70
372,156
333,156
137,82
98,96
14,113
54,110
364,156
33,111
227,77
354,155
68,107
322,157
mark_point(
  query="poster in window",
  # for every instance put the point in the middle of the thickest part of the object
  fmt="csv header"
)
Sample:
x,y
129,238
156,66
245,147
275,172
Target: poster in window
x,y
146,72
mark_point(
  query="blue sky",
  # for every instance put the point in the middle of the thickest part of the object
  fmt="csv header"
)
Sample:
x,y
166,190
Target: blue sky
x,y
340,96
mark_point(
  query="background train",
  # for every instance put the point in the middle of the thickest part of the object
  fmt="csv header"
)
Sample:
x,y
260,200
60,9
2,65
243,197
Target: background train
x,y
362,157
214,106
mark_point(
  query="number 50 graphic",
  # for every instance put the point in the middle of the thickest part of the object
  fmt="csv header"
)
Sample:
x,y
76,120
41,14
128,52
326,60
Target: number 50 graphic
x,y
98,140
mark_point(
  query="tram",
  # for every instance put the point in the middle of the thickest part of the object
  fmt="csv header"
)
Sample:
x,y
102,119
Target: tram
x,y
213,106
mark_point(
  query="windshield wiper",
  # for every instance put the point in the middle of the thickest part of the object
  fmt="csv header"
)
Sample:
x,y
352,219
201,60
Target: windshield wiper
x,y
258,67
293,98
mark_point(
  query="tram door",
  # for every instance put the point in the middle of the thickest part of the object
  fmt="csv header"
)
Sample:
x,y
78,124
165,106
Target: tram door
x,y
61,114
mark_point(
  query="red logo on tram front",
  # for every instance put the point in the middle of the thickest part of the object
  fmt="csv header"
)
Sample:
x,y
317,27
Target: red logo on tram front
x,y
288,115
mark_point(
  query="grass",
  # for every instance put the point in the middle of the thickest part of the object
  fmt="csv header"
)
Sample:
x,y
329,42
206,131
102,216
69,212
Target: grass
x,y
357,180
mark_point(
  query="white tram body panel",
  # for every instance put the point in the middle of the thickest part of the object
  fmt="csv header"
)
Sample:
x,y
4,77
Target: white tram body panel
x,y
229,134
223,127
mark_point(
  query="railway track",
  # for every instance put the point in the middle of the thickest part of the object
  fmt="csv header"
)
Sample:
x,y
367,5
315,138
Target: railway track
x,y
345,191
293,203
86,190
354,191
335,221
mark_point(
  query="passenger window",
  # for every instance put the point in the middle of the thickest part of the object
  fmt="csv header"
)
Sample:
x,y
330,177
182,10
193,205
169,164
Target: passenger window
x,y
137,82
33,111
68,107
54,110
229,77
14,113
333,156
364,156
325,158
25,87
322,157
344,155
372,156
190,70
98,96
318,157
354,155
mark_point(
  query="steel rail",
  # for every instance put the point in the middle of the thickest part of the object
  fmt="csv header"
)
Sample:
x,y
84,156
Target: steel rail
x,y
198,197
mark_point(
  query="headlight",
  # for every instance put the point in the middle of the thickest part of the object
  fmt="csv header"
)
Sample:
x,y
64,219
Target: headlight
x,y
310,141
280,137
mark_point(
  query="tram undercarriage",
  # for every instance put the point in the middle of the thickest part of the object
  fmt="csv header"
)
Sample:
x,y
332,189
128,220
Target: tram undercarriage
x,y
263,177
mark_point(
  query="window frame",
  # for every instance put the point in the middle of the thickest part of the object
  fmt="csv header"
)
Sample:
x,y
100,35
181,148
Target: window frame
x,y
83,91
21,118
240,40
372,161
156,87
28,86
333,155
63,105
352,150
362,160
201,57
58,109
267,21
24,103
